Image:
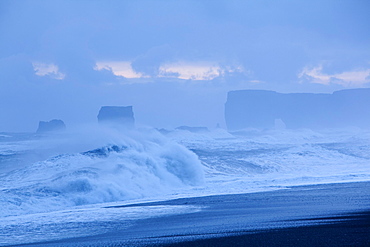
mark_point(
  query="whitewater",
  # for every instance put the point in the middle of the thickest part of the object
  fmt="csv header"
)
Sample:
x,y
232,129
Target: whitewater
x,y
50,185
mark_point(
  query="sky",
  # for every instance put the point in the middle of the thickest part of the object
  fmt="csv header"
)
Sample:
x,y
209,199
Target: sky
x,y
173,61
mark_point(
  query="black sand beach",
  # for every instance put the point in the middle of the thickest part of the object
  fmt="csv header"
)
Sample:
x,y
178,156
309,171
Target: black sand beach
x,y
318,215
352,230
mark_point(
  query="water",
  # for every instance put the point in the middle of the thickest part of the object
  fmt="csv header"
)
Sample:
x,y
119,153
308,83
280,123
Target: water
x,y
265,160
113,167
50,185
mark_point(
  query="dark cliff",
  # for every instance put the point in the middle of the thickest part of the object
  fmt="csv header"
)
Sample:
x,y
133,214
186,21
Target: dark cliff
x,y
118,116
260,109
51,126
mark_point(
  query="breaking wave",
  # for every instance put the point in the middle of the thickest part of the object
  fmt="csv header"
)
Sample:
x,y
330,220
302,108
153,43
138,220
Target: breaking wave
x,y
97,166
127,166
260,160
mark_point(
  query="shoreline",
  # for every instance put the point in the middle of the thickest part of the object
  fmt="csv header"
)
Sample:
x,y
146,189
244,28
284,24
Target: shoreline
x,y
352,230
298,214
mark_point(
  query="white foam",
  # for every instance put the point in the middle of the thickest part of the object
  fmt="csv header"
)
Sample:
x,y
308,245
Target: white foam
x,y
153,167
96,219
261,160
145,164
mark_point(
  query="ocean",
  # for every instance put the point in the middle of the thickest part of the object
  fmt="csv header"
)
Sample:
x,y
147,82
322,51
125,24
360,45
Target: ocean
x,y
66,185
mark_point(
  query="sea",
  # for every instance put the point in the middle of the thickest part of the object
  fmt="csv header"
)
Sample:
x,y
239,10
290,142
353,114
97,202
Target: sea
x,y
63,185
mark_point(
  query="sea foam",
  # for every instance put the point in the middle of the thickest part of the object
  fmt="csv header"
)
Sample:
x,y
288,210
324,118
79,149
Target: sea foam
x,y
119,166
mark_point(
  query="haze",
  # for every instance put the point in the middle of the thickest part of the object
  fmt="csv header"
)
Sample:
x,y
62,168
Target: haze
x,y
173,61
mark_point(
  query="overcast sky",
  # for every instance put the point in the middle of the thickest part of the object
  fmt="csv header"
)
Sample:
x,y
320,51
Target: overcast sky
x,y
173,61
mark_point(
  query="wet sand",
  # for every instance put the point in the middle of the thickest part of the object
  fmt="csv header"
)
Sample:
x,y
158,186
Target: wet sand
x,y
318,215
353,230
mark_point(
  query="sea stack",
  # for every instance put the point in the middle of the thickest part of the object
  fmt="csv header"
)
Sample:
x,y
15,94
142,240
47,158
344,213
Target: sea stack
x,y
193,129
117,116
51,126
266,109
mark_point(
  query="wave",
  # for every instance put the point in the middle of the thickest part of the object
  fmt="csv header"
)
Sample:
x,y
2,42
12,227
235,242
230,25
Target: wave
x,y
105,166
260,160
133,165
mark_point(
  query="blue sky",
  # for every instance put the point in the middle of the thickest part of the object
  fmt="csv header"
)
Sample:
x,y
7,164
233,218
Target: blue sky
x,y
174,61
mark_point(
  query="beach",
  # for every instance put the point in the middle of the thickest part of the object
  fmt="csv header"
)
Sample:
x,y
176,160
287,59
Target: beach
x,y
313,215
352,230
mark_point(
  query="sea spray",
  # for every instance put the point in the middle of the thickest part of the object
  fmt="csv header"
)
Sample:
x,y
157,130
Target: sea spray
x,y
104,165
119,166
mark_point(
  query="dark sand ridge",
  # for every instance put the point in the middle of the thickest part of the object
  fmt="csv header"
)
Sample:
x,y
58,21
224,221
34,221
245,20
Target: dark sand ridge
x,y
318,215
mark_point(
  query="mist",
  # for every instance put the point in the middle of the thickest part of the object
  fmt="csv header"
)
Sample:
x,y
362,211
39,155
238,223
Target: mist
x,y
174,62
187,122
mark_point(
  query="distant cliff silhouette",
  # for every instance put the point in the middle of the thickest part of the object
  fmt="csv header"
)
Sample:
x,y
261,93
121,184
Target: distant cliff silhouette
x,y
117,116
51,126
261,109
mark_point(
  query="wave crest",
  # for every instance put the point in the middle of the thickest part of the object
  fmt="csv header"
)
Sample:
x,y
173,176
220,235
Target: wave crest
x,y
138,165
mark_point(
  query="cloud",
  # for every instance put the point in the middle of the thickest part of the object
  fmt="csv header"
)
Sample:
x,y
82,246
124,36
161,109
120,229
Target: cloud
x,y
103,50
358,77
256,81
119,68
149,62
48,69
190,70
185,70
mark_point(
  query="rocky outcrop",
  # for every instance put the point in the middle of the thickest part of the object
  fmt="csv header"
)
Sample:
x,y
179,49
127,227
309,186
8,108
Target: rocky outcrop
x,y
117,116
51,126
263,109
193,129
